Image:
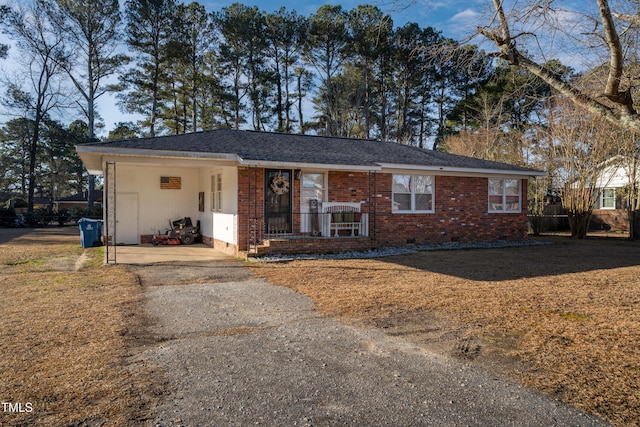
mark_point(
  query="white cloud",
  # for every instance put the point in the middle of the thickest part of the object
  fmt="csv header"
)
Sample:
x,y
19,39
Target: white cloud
x,y
465,16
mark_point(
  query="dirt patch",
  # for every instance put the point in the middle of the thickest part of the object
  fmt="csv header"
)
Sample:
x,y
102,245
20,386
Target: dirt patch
x,y
68,330
560,318
448,337
183,273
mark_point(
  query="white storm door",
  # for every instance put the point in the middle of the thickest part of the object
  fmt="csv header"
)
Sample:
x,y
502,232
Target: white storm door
x,y
127,219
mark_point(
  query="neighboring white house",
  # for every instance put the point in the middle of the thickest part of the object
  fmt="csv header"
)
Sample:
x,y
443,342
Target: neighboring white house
x,y
610,210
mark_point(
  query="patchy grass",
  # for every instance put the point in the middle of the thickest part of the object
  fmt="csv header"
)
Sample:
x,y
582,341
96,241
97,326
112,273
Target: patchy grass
x,y
561,318
65,330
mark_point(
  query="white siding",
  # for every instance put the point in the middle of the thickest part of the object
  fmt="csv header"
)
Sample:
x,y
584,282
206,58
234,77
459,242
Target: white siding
x,y
218,225
226,227
614,177
156,207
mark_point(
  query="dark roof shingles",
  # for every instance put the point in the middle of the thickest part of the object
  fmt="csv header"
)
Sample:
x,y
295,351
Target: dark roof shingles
x,y
292,148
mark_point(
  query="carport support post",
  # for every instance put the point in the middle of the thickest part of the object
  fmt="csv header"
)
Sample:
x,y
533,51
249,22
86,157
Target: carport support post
x,y
251,219
110,212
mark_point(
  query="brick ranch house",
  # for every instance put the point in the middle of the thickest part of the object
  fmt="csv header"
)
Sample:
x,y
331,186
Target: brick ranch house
x,y
261,192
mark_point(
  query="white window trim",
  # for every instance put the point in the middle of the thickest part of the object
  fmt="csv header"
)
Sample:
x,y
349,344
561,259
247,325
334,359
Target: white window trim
x,y
325,188
504,197
305,210
602,199
216,194
413,195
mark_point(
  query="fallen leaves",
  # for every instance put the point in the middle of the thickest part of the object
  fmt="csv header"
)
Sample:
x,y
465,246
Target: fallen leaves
x,y
570,312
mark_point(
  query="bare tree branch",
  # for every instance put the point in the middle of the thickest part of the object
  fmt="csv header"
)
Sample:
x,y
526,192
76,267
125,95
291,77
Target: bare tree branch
x,y
632,19
620,110
616,61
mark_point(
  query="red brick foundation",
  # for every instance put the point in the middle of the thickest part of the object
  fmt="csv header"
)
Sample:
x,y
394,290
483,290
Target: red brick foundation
x,y
315,245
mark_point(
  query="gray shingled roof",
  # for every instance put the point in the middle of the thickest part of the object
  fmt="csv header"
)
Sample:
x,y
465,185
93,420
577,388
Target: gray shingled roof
x,y
290,148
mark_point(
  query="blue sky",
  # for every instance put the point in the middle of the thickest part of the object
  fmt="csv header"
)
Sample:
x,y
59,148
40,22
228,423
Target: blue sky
x,y
452,17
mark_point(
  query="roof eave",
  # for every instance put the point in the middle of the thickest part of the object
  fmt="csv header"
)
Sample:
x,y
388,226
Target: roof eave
x,y
309,165
142,152
464,171
93,156
92,162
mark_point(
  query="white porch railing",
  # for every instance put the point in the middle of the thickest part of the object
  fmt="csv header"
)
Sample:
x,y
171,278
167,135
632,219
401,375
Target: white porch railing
x,y
338,216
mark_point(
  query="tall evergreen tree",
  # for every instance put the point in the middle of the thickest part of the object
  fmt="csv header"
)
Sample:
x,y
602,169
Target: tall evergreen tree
x,y
149,35
326,51
215,102
304,83
193,36
62,170
369,32
234,24
286,34
15,142
409,72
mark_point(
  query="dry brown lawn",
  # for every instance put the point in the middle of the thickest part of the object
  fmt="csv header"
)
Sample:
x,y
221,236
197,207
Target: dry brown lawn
x,y
65,322
561,318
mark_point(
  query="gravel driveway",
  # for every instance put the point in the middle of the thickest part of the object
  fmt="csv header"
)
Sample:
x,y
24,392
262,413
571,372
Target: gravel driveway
x,y
237,351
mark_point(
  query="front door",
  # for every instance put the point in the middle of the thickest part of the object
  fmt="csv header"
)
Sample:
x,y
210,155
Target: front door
x,y
127,219
278,201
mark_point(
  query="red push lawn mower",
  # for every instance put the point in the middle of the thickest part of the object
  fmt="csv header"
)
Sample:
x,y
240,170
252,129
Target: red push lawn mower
x,y
182,232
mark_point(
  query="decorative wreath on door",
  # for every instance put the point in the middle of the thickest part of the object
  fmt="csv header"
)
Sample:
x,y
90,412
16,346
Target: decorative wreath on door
x,y
280,185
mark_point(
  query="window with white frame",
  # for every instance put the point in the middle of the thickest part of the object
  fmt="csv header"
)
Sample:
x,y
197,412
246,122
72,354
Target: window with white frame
x,y
216,192
608,198
312,187
412,193
504,195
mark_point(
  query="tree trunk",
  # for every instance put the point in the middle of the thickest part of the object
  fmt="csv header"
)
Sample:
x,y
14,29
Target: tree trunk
x,y
287,102
33,153
91,118
634,224
300,118
536,222
279,104
579,224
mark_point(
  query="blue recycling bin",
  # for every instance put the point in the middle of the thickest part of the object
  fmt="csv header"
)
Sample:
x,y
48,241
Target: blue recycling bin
x,y
90,232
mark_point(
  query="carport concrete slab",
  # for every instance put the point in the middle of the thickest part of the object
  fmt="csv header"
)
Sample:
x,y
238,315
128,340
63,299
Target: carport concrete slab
x,y
149,254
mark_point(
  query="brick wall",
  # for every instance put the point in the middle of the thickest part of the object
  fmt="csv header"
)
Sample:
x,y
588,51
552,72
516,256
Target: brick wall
x,y
610,219
250,201
322,245
461,213
221,246
348,186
